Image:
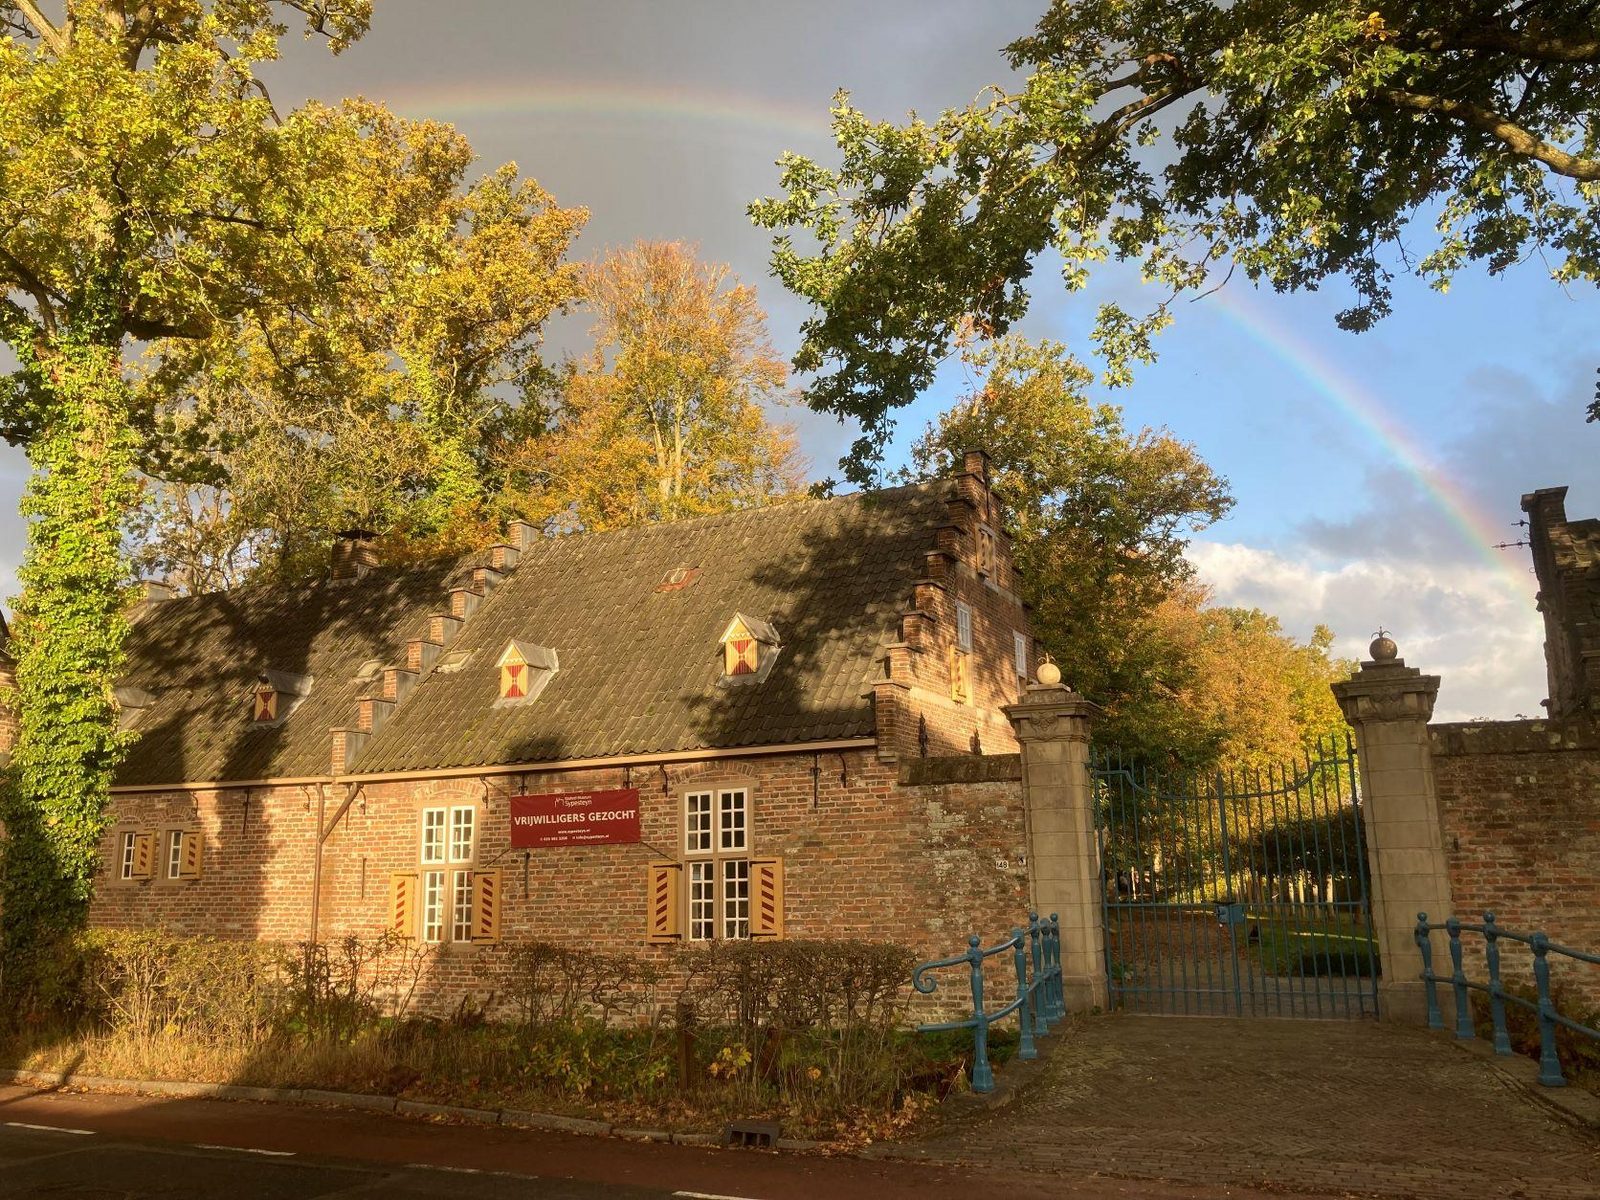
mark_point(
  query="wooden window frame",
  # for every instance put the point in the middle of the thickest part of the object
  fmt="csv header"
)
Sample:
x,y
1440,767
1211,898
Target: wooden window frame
x,y
963,626
445,903
712,906
126,853
1019,653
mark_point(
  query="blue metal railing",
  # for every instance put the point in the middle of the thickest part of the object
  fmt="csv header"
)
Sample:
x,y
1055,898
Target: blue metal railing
x,y
1039,1000
1542,947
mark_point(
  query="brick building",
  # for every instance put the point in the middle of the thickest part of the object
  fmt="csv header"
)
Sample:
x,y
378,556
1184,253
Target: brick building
x,y
711,728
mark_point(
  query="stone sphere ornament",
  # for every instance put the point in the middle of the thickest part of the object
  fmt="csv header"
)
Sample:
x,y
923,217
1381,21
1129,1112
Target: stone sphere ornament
x,y
1383,649
1049,674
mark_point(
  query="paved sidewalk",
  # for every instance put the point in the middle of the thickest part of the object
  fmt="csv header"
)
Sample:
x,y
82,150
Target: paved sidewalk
x,y
1340,1107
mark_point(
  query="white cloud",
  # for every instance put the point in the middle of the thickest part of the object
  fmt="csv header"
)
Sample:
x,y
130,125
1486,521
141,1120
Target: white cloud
x,y
1466,623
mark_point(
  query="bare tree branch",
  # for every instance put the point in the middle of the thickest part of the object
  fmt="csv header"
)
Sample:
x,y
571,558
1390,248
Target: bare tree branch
x,y
48,33
1533,47
1518,139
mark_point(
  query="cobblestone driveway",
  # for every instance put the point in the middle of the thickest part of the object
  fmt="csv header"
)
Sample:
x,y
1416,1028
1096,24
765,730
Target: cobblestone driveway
x,y
1333,1108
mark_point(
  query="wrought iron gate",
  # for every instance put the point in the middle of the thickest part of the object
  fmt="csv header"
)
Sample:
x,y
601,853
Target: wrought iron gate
x,y
1239,894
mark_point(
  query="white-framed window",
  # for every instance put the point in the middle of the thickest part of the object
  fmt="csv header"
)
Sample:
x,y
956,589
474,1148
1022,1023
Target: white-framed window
x,y
963,626
716,842
129,844
174,854
446,854
1020,649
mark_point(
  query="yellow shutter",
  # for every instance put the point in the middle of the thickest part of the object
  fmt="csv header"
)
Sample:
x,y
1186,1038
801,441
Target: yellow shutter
x,y
665,921
191,854
144,855
486,906
960,679
766,897
403,903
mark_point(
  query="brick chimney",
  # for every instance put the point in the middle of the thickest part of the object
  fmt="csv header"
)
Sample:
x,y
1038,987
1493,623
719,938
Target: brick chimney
x,y
355,552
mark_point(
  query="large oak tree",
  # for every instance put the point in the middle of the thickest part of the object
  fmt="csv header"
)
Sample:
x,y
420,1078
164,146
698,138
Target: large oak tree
x,y
1299,142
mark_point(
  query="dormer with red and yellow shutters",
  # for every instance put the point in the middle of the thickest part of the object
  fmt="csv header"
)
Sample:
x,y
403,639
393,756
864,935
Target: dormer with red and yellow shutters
x,y
965,647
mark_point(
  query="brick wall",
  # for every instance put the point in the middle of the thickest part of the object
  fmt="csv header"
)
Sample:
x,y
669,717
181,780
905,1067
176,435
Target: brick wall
x,y
1520,808
924,863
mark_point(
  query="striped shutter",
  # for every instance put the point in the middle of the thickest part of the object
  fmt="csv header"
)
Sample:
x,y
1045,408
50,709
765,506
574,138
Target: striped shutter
x,y
191,854
664,917
403,903
486,893
960,678
766,897
144,855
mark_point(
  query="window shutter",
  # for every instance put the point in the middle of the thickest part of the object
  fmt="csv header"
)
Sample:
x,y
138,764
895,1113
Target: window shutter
x,y
144,855
960,681
665,922
191,854
766,897
486,906
403,903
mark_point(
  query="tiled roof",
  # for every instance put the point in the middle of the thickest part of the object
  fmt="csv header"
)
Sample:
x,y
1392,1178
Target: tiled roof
x,y
640,668
199,657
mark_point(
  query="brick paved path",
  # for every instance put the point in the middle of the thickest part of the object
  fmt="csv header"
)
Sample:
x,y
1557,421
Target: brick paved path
x,y
1329,1107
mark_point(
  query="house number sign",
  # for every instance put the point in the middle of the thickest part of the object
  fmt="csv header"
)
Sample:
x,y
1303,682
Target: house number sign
x,y
606,818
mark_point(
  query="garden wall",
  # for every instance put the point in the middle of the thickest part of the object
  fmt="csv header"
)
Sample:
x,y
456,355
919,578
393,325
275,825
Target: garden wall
x,y
1520,808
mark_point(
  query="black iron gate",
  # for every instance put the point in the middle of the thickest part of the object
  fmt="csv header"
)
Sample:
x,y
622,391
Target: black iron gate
x,y
1237,894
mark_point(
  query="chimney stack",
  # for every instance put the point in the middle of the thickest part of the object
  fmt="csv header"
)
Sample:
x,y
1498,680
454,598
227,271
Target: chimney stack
x,y
355,552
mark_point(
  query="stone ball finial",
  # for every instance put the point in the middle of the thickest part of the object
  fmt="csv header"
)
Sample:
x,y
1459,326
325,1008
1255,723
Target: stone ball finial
x,y
1383,649
1049,674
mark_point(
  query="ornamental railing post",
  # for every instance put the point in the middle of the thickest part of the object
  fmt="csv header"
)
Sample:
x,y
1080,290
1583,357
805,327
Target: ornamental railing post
x,y
1497,1000
1058,991
982,1072
1549,1064
1430,989
1458,980
1019,957
1043,1008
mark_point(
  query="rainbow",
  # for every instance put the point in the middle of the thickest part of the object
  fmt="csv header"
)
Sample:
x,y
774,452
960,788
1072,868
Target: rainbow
x,y
1478,528
621,103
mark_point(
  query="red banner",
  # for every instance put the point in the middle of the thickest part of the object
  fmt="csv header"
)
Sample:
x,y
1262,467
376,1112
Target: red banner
x,y
576,818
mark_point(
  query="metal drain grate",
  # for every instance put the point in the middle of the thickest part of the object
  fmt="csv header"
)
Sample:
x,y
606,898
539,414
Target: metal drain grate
x,y
751,1135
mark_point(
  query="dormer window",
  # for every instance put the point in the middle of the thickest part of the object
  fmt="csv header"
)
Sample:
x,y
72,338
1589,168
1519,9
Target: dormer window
x,y
276,695
525,671
749,648
131,701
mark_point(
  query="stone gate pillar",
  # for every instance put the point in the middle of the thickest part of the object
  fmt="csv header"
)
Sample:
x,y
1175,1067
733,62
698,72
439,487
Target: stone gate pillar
x,y
1389,704
1052,724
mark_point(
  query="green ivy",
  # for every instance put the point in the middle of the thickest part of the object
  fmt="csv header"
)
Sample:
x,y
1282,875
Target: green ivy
x,y
67,641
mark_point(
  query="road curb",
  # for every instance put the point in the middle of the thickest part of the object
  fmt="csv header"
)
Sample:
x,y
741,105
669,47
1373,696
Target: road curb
x,y
393,1105
1577,1105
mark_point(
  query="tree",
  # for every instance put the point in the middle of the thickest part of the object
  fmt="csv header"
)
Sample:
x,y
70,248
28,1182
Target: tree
x,y
1099,516
378,412
665,417
1301,142
148,193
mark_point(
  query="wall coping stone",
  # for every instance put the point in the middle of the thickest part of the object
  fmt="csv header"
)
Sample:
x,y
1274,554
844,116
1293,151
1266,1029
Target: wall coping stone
x,y
962,768
1536,736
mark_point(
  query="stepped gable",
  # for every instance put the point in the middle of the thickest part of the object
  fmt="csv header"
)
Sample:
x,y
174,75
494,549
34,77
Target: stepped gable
x,y
1566,559
201,659
634,618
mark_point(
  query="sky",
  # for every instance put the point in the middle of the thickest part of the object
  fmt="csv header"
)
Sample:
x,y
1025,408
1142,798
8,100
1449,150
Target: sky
x,y
1372,474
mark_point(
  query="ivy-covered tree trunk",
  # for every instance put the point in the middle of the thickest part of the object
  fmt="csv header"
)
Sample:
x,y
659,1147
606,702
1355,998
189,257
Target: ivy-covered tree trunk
x,y
68,636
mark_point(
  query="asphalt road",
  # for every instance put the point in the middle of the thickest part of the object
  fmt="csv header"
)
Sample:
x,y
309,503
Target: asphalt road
x,y
92,1146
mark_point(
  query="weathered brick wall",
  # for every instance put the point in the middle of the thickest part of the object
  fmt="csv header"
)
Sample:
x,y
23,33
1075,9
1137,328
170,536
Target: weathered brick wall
x,y
257,866
1520,809
923,863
